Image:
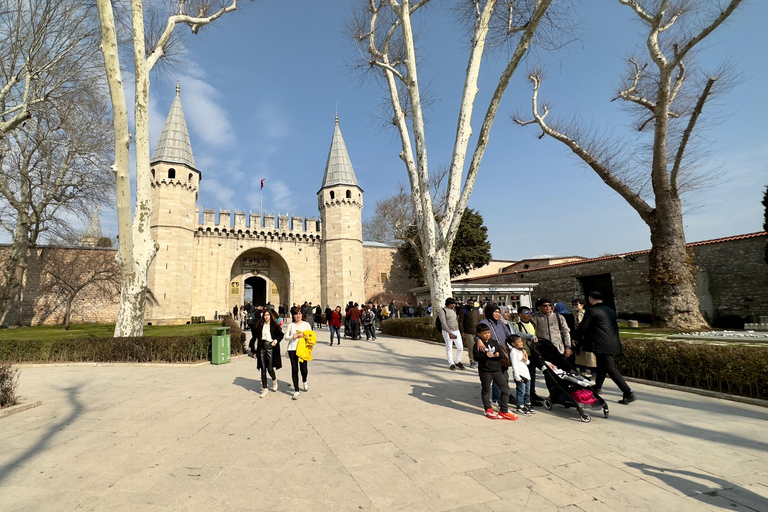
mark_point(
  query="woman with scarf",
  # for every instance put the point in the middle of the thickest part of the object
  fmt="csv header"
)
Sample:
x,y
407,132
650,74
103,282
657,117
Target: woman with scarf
x,y
266,342
499,332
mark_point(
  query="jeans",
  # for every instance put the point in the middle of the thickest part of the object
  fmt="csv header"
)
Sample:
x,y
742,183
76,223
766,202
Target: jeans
x,y
338,336
496,389
523,393
498,379
295,366
369,332
449,343
469,342
606,365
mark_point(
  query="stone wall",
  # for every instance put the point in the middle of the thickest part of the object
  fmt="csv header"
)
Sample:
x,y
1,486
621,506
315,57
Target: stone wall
x,y
43,304
386,273
731,274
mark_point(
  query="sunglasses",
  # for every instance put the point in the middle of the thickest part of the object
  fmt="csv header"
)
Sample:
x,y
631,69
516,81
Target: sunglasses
x,y
546,305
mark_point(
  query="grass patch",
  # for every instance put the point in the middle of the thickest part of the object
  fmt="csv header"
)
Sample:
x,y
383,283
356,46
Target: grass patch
x,y
77,331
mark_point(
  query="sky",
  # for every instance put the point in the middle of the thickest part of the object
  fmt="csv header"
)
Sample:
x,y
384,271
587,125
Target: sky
x,y
260,89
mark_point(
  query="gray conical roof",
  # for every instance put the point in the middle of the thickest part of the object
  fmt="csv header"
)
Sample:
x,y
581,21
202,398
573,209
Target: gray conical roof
x,y
174,146
338,169
94,226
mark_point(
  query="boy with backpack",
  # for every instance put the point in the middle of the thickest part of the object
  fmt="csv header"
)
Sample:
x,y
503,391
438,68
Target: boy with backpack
x,y
490,355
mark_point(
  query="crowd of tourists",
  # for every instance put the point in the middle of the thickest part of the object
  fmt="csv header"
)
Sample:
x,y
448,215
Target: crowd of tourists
x,y
497,339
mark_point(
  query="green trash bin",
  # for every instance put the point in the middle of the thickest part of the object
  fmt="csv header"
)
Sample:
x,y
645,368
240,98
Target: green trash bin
x,y
221,346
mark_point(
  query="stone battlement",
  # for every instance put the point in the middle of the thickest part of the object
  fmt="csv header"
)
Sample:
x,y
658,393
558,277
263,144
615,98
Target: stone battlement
x,y
254,224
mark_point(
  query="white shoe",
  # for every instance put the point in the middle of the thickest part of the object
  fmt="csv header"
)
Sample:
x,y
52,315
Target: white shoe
x,y
274,385
296,395
264,393
306,385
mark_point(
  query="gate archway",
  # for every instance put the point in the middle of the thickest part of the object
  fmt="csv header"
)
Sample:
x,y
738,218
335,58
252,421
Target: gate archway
x,y
261,275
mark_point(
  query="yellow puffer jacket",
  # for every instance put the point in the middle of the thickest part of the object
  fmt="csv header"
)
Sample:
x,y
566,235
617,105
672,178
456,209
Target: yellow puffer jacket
x,y
304,347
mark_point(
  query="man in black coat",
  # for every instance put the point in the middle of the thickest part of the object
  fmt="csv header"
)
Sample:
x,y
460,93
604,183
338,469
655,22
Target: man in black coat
x,y
598,332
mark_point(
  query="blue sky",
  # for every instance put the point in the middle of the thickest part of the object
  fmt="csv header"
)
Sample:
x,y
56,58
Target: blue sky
x,y
260,89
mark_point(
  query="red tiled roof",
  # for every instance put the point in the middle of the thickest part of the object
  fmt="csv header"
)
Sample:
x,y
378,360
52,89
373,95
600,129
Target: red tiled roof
x,y
623,255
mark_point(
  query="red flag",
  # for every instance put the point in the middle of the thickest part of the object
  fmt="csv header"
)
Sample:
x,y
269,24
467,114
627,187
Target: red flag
x,y
262,183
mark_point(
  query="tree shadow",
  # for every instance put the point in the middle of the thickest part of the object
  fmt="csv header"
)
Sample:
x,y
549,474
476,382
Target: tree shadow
x,y
45,441
446,396
706,488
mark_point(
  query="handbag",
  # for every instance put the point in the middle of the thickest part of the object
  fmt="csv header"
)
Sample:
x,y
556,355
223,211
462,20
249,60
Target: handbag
x,y
586,358
504,357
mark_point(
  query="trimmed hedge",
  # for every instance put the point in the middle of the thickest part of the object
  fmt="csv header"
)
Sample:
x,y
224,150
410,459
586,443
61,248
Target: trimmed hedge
x,y
235,334
420,328
730,369
172,349
737,370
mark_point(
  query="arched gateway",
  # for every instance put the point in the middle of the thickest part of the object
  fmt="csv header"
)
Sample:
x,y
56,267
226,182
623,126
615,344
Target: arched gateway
x,y
202,267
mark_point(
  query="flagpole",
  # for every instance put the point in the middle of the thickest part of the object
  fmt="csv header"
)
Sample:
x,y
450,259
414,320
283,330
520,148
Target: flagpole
x,y
261,203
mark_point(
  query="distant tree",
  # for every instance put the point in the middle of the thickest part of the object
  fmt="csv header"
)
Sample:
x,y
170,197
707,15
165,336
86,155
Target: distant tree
x,y
667,95
470,250
54,129
79,270
765,220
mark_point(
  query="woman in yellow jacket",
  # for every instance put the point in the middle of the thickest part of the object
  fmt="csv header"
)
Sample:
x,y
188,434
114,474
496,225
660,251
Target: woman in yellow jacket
x,y
296,331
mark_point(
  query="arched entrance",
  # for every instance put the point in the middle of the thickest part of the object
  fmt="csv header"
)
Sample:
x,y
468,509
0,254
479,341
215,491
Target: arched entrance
x,y
259,276
255,291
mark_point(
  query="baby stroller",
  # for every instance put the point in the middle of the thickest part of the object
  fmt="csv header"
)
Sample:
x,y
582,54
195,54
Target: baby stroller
x,y
564,382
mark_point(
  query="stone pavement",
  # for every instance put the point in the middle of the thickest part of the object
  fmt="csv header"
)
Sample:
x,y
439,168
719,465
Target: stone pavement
x,y
384,426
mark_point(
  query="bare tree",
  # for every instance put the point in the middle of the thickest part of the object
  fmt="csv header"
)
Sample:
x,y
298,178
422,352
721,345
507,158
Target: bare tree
x,y
385,35
137,248
49,103
664,93
80,270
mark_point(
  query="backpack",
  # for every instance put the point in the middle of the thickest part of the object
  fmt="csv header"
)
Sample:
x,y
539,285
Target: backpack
x,y
439,324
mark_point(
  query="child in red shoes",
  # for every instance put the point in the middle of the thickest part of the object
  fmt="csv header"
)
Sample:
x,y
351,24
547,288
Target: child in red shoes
x,y
488,354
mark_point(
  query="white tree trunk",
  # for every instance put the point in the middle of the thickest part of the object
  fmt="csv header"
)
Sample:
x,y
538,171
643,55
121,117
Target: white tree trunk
x,y
438,277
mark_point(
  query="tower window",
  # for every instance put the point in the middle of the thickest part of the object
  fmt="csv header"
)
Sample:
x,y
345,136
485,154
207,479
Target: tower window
x,y
153,174
190,177
333,196
349,194
171,174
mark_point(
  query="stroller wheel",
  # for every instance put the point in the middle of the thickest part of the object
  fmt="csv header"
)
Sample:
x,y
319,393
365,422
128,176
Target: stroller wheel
x,y
548,404
605,411
586,418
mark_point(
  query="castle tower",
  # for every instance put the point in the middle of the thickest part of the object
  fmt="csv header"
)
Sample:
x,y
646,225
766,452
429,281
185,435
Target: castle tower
x,y
340,201
92,236
175,186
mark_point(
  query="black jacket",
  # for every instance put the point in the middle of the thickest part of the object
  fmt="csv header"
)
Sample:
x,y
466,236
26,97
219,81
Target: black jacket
x,y
598,332
485,363
277,335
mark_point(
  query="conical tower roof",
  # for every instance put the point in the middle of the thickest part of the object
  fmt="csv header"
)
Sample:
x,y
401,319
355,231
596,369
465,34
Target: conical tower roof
x,y
174,146
94,226
338,169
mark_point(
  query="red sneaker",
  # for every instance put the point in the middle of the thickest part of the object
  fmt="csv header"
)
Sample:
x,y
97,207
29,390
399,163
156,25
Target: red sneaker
x,y
507,416
490,413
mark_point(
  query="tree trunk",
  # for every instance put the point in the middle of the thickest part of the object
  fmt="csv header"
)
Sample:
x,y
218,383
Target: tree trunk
x,y
133,295
17,266
438,277
674,303
68,313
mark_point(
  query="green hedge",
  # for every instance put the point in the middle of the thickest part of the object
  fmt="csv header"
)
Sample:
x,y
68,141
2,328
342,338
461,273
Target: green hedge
x,y
725,368
418,328
172,349
235,334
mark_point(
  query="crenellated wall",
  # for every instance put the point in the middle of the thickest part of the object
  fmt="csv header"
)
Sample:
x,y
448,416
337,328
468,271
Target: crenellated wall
x,y
254,224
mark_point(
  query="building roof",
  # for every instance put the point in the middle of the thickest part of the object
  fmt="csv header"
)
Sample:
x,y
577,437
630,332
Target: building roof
x,y
174,146
380,245
94,226
338,168
624,255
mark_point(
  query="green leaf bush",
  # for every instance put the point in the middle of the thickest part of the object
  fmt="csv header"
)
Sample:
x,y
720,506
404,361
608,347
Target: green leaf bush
x,y
171,349
237,342
422,328
730,369
9,381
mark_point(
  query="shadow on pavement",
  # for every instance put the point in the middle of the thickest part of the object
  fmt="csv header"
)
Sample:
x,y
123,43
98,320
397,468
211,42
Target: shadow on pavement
x,y
45,441
248,384
706,488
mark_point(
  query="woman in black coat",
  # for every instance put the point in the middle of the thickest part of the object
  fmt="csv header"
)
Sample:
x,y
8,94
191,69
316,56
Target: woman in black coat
x,y
266,345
